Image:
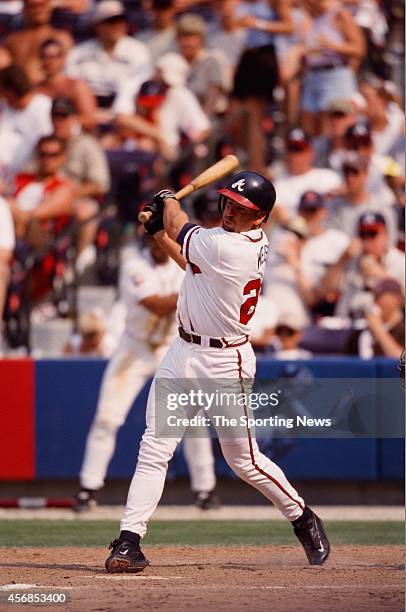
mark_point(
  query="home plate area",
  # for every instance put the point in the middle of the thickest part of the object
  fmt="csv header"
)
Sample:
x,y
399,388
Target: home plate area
x,y
232,578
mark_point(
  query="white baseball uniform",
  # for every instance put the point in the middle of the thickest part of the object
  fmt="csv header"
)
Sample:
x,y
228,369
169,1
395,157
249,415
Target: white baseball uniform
x,y
217,300
143,343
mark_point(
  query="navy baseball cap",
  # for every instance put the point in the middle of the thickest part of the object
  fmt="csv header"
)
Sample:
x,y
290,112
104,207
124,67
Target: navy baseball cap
x,y
63,106
359,133
371,222
310,201
298,139
151,94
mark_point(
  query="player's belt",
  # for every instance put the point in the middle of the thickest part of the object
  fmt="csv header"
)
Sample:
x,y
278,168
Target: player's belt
x,y
213,342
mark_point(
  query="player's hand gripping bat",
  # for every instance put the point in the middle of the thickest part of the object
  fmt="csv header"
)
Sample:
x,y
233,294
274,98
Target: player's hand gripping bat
x,y
211,174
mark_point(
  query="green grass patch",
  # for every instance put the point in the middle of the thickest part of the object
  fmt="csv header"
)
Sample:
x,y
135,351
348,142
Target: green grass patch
x,y
193,533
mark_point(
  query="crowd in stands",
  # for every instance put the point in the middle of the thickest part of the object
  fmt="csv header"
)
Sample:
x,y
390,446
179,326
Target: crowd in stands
x,y
104,102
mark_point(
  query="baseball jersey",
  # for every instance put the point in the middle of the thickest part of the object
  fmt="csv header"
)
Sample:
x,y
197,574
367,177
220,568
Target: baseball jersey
x,y
223,279
141,277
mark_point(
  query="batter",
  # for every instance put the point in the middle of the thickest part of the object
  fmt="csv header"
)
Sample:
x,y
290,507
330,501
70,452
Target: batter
x,y
217,300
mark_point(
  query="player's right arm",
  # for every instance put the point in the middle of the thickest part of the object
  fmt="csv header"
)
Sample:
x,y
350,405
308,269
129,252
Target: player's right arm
x,y
174,218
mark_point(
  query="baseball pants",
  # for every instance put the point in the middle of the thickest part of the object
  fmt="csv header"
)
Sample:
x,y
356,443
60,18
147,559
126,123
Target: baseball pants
x,y
125,375
191,361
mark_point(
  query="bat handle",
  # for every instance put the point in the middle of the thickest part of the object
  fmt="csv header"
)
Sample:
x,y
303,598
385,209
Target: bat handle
x,y
143,217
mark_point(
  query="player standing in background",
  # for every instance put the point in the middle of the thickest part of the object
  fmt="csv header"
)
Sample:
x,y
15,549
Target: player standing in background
x,y
217,299
149,286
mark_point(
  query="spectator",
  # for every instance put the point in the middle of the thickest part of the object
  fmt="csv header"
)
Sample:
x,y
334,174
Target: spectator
x,y
385,331
330,148
345,210
301,175
113,64
385,176
92,339
25,118
7,241
289,333
207,76
166,109
206,209
367,259
161,37
386,117
43,201
57,83
228,37
24,46
322,249
257,74
334,47
86,165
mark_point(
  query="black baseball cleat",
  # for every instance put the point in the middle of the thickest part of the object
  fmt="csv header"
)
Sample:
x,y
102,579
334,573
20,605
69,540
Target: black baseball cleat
x,y
207,500
125,557
310,532
85,501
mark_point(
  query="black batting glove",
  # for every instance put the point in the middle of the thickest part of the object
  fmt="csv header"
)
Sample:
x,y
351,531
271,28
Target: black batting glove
x,y
155,224
160,198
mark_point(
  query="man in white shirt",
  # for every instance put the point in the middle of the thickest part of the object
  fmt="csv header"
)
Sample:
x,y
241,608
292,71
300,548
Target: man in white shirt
x,y
25,118
301,176
113,64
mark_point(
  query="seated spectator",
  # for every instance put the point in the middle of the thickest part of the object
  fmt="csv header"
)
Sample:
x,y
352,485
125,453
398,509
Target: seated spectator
x,y
56,83
368,259
263,324
86,165
346,209
334,47
113,64
43,201
330,148
24,45
25,118
386,117
92,339
323,247
166,109
301,176
160,38
206,209
289,333
384,334
7,241
207,76
384,174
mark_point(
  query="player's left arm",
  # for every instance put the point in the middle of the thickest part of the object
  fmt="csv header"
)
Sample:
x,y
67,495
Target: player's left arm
x,y
171,248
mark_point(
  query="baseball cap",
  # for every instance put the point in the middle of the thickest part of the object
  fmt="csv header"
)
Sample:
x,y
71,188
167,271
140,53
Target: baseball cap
x,y
345,107
174,68
387,285
151,94
292,319
298,138
92,322
63,106
191,24
359,132
354,161
370,222
311,200
106,9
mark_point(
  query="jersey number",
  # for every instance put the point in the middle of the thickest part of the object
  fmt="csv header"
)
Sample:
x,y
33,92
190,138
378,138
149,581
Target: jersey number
x,y
247,309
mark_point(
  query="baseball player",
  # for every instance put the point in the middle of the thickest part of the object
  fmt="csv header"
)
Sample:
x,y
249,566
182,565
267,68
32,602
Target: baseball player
x,y
149,285
217,300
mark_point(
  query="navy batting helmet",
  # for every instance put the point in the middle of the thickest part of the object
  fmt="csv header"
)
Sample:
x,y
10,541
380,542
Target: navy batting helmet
x,y
251,190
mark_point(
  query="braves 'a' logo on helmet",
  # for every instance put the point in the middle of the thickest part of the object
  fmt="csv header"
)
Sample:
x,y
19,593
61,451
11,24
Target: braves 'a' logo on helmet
x,y
239,184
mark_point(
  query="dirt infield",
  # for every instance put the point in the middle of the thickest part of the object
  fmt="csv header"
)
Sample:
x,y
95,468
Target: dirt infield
x,y
201,578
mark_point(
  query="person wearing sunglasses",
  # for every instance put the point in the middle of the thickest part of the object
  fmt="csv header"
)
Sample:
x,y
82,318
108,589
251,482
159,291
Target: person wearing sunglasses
x,y
368,259
112,63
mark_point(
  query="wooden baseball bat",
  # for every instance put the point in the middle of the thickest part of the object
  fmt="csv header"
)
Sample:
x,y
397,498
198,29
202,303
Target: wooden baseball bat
x,y
211,174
